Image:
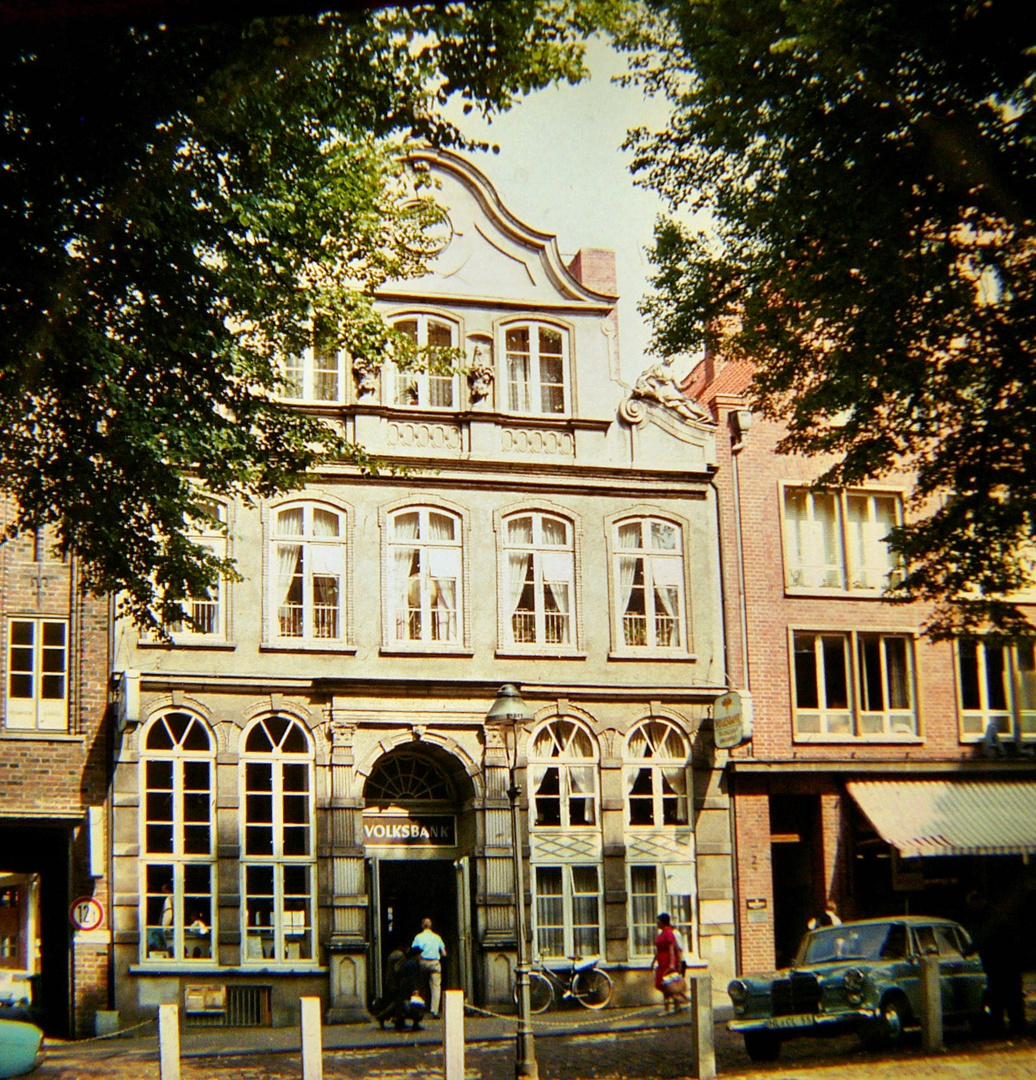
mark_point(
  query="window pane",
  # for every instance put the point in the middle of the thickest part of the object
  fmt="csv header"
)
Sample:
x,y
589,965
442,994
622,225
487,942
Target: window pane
x,y
871,693
519,530
996,670
836,676
440,335
550,911
806,692
643,901
967,666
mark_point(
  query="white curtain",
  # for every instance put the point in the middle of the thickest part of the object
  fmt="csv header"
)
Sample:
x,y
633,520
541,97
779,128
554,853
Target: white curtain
x,y
667,575
627,572
517,575
289,564
444,569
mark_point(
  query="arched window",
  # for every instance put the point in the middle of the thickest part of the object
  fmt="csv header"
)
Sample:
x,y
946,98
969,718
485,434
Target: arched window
x,y
539,569
177,838
431,389
277,842
563,762
407,776
424,557
307,553
648,582
207,615
536,359
656,775
318,373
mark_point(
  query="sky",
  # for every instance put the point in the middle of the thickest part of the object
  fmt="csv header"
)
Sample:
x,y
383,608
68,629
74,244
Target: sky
x,y
561,169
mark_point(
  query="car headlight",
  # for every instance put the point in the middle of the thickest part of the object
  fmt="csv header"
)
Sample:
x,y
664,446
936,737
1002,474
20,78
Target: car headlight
x,y
738,992
853,981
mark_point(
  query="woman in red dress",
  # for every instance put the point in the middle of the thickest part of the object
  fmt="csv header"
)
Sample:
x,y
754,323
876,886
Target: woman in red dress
x,y
666,963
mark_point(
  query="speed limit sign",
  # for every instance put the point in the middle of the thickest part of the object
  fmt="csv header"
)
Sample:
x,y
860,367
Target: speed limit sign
x,y
86,914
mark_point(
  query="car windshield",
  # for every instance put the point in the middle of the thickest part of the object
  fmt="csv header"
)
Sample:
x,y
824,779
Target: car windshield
x,y
834,943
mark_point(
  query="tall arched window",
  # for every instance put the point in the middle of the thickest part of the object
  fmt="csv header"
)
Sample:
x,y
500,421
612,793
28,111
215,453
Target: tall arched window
x,y
656,775
431,389
563,762
539,570
307,553
424,557
536,359
277,842
649,578
177,838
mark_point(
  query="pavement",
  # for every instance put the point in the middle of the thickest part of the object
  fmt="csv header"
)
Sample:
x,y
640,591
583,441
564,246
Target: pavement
x,y
614,1044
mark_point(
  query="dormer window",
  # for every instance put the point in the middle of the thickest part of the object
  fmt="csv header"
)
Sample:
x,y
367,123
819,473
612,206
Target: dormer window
x,y
536,361
427,389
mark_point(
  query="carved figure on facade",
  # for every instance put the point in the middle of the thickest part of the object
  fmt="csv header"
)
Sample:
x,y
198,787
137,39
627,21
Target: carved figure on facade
x,y
658,384
480,374
365,372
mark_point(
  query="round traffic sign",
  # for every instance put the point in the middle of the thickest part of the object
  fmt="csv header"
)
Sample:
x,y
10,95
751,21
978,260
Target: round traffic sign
x,y
86,913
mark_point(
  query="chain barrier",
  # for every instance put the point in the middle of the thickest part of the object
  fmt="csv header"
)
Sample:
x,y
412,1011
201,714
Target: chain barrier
x,y
109,1034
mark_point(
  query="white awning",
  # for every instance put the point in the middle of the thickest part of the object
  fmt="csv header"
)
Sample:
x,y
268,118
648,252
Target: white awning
x,y
951,817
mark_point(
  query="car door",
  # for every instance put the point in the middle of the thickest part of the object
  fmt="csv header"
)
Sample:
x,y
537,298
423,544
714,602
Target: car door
x,y
969,981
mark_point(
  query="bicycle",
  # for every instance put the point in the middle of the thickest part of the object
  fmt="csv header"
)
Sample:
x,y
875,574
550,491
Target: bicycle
x,y
583,980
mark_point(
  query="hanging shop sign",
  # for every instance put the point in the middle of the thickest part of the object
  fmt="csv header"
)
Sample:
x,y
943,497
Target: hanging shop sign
x,y
727,721
410,830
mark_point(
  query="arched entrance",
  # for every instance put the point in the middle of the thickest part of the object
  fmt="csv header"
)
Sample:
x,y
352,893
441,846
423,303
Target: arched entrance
x,y
418,835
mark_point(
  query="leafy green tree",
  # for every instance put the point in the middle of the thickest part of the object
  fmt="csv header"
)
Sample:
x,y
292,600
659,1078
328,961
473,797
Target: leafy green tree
x,y
181,204
868,165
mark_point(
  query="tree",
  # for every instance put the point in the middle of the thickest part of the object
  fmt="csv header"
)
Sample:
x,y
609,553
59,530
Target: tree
x,y
183,206
869,171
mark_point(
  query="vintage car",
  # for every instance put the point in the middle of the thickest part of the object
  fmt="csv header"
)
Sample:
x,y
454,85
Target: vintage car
x,y
862,975
19,1048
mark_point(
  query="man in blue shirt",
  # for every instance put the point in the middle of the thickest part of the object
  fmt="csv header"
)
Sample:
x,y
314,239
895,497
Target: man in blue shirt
x,y
432,952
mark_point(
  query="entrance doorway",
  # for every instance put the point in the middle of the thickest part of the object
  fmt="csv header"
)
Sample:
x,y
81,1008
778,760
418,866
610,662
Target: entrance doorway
x,y
410,890
795,851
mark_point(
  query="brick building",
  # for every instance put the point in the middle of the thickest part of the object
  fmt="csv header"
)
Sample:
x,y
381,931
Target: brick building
x,y
884,772
54,765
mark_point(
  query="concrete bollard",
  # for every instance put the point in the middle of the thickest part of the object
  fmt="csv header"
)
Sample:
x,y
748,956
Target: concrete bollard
x,y
169,1042
931,1005
312,1045
453,1033
703,1020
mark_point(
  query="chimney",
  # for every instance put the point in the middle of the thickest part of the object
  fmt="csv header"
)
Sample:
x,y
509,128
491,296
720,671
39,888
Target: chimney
x,y
595,268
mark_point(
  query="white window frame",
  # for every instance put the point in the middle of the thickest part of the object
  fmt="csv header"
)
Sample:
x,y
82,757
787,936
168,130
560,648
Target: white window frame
x,y
564,734
548,565
659,736
536,385
1017,718
660,569
844,554
438,625
289,937
208,612
568,895
679,906
39,710
322,556
300,375
184,939
853,722
423,383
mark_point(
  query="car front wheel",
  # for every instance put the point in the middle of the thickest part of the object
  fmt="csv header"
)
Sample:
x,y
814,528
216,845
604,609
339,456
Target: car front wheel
x,y
890,1025
762,1045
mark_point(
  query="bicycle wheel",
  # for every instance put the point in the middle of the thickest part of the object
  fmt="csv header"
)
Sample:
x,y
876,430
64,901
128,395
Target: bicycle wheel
x,y
592,989
541,993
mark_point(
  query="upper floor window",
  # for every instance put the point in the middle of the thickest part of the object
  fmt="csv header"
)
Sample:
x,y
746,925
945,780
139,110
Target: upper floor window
x,y
431,389
656,775
540,580
425,567
836,540
854,684
998,687
206,612
177,827
649,582
563,762
536,361
318,373
307,552
277,841
37,674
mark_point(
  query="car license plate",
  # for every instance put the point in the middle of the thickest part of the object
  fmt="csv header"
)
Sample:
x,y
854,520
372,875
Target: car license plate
x,y
790,1021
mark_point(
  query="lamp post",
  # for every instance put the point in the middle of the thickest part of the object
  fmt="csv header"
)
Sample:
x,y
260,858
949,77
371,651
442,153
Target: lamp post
x,y
509,713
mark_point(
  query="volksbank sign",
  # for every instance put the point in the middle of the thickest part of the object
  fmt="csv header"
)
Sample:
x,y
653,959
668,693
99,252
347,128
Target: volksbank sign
x,y
410,830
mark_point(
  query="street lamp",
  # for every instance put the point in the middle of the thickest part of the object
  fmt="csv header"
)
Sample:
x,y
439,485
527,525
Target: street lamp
x,y
509,713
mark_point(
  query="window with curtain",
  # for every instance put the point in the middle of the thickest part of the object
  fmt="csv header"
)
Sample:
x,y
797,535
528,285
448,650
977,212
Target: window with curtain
x,y
563,759
430,389
207,612
539,568
277,850
649,583
307,553
853,685
425,562
567,911
656,775
836,540
997,688
318,373
536,360
177,838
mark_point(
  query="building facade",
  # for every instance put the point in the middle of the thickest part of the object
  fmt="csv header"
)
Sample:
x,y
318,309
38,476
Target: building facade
x,y
54,754
306,772
884,772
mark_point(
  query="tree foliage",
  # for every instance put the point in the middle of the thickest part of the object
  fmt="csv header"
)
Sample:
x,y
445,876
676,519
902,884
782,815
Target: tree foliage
x,y
179,204
869,171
